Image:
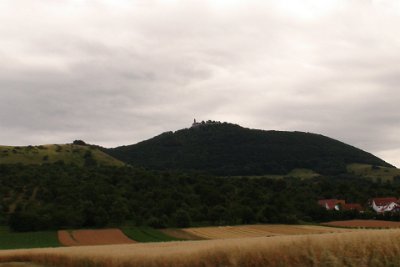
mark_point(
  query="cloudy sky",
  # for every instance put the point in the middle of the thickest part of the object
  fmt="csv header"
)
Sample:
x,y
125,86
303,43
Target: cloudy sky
x,y
117,72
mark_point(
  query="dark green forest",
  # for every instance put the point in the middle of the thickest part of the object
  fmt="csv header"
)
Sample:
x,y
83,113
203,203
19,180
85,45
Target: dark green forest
x,y
212,174
227,149
55,196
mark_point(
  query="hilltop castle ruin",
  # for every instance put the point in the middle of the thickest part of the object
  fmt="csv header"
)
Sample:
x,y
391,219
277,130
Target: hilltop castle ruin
x,y
196,124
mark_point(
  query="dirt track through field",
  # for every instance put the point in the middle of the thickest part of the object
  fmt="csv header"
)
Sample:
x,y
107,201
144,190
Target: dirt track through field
x,y
93,237
364,224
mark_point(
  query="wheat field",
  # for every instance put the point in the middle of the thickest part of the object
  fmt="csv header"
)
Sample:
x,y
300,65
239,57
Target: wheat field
x,y
360,248
260,230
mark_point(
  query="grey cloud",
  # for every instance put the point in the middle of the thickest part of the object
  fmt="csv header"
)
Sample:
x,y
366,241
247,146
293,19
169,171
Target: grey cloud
x,y
117,72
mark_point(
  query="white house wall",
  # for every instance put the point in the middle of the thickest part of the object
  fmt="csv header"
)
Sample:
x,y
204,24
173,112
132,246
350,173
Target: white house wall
x,y
384,208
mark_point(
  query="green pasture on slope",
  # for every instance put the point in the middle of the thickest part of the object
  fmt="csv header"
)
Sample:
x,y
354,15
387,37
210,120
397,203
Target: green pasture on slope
x,y
296,173
67,153
374,172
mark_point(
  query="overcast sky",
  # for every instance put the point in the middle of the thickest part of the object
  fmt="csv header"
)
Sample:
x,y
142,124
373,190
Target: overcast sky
x,y
118,72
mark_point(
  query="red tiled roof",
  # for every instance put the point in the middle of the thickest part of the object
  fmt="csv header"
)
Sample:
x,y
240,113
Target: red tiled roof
x,y
330,203
383,201
352,206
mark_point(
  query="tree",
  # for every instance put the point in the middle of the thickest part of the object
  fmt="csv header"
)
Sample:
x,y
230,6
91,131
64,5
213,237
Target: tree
x,y
182,218
79,143
119,211
217,214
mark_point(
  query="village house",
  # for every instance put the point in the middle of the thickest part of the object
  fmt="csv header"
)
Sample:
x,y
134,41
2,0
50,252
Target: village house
x,y
339,204
385,204
352,206
379,205
331,204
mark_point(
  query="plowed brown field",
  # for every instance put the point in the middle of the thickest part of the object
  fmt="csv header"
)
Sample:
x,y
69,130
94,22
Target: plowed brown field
x,y
364,224
19,264
66,239
225,232
93,237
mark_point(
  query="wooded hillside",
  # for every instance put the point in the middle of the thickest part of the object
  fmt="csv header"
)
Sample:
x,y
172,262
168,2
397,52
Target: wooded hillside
x,y
228,149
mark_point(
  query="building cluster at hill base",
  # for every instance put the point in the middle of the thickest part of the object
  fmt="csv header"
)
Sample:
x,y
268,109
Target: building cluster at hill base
x,y
379,205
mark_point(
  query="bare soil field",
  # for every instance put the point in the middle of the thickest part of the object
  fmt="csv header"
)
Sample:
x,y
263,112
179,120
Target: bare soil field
x,y
19,264
93,237
67,239
359,248
364,224
243,231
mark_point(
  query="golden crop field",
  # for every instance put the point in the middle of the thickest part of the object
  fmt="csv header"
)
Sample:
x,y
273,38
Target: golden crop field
x,y
243,231
359,248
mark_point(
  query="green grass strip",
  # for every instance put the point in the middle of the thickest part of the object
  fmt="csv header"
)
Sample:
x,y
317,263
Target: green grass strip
x,y
11,240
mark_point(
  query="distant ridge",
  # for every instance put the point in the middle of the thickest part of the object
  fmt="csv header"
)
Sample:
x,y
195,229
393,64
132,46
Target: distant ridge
x,y
229,149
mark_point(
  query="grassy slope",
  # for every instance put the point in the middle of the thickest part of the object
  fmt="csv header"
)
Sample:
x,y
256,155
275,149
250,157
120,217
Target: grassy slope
x,y
364,170
296,173
147,234
375,173
10,240
52,153
303,173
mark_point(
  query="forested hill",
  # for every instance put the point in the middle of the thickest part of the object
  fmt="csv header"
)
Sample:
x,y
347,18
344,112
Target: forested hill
x,y
228,149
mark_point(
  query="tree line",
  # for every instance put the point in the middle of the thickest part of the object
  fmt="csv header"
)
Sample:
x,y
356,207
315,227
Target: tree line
x,y
56,196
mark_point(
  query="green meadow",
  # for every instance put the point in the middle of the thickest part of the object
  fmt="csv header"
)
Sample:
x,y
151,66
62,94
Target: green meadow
x,y
12,240
374,172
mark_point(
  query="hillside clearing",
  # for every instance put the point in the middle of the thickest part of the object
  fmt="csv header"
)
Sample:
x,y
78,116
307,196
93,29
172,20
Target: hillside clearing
x,y
361,248
374,172
300,173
